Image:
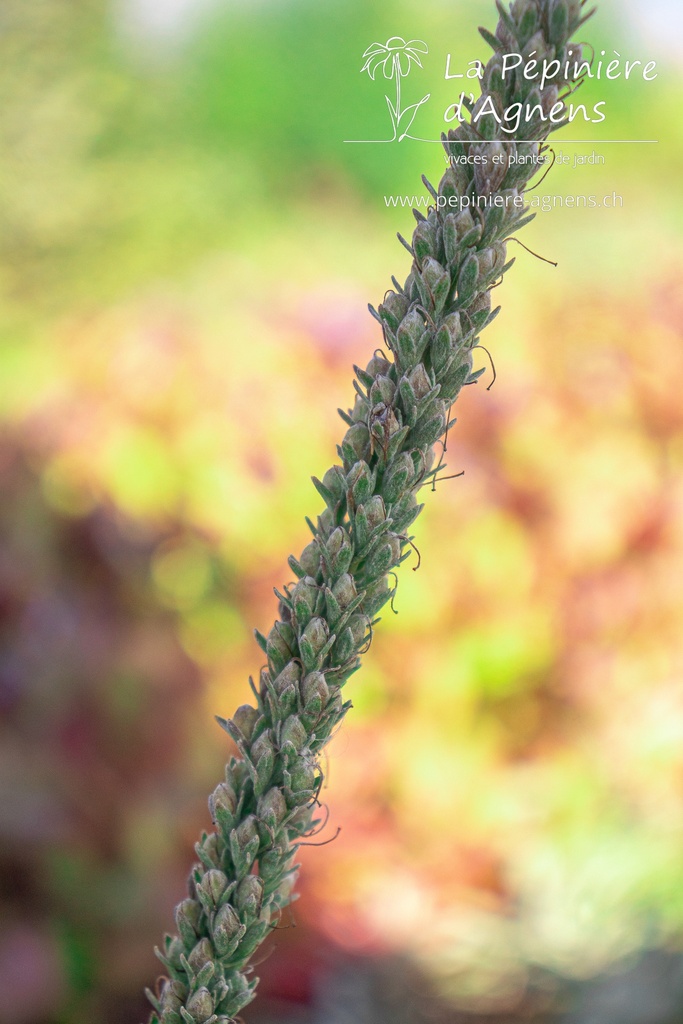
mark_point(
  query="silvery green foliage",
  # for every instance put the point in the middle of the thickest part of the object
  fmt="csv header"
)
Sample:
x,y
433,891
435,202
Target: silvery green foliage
x,y
267,803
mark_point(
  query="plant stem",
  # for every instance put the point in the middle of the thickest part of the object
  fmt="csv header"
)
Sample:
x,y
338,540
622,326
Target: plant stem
x,y
267,804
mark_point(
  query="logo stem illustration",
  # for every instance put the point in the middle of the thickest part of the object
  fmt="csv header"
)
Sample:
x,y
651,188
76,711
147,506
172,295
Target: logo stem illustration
x,y
395,57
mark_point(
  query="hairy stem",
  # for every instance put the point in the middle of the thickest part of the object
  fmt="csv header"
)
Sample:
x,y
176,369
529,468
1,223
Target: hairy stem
x,y
430,325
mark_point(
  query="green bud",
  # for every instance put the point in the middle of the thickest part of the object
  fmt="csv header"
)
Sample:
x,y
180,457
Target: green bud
x,y
382,390
447,340
428,429
312,641
378,364
392,311
527,20
404,512
294,734
344,590
274,861
464,224
361,410
334,482
249,896
174,949
437,285
360,481
200,1005
376,597
314,691
399,477
304,598
454,182
169,1016
173,995
338,554
281,646
300,783
203,953
559,22
223,799
227,929
271,807
211,888
424,241
210,850
411,339
489,176
356,443
467,279
188,919
480,310
384,557
289,676
245,718
451,242
310,559
375,511
493,76
262,747
419,381
244,844
344,647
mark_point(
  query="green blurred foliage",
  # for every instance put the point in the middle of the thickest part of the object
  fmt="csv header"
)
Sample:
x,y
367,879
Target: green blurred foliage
x,y
188,247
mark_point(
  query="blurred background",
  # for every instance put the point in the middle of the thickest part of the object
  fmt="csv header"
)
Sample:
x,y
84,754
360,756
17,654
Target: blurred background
x,y
188,249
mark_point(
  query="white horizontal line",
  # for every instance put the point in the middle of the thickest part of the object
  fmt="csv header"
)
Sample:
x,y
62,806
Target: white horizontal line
x,y
480,142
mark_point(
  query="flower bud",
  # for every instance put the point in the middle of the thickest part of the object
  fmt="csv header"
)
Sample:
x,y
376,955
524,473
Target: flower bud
x,y
467,279
344,590
262,747
360,481
411,339
304,597
382,390
424,241
249,896
226,929
312,641
310,559
188,918
385,557
200,1005
300,782
376,597
375,511
203,953
271,807
361,410
223,798
293,732
378,364
400,475
290,676
392,311
356,443
245,718
280,646
172,995
419,381
212,886
314,690
455,181
437,285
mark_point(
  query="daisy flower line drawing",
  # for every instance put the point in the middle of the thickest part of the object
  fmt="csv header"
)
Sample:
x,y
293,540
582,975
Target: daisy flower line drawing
x,y
395,58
